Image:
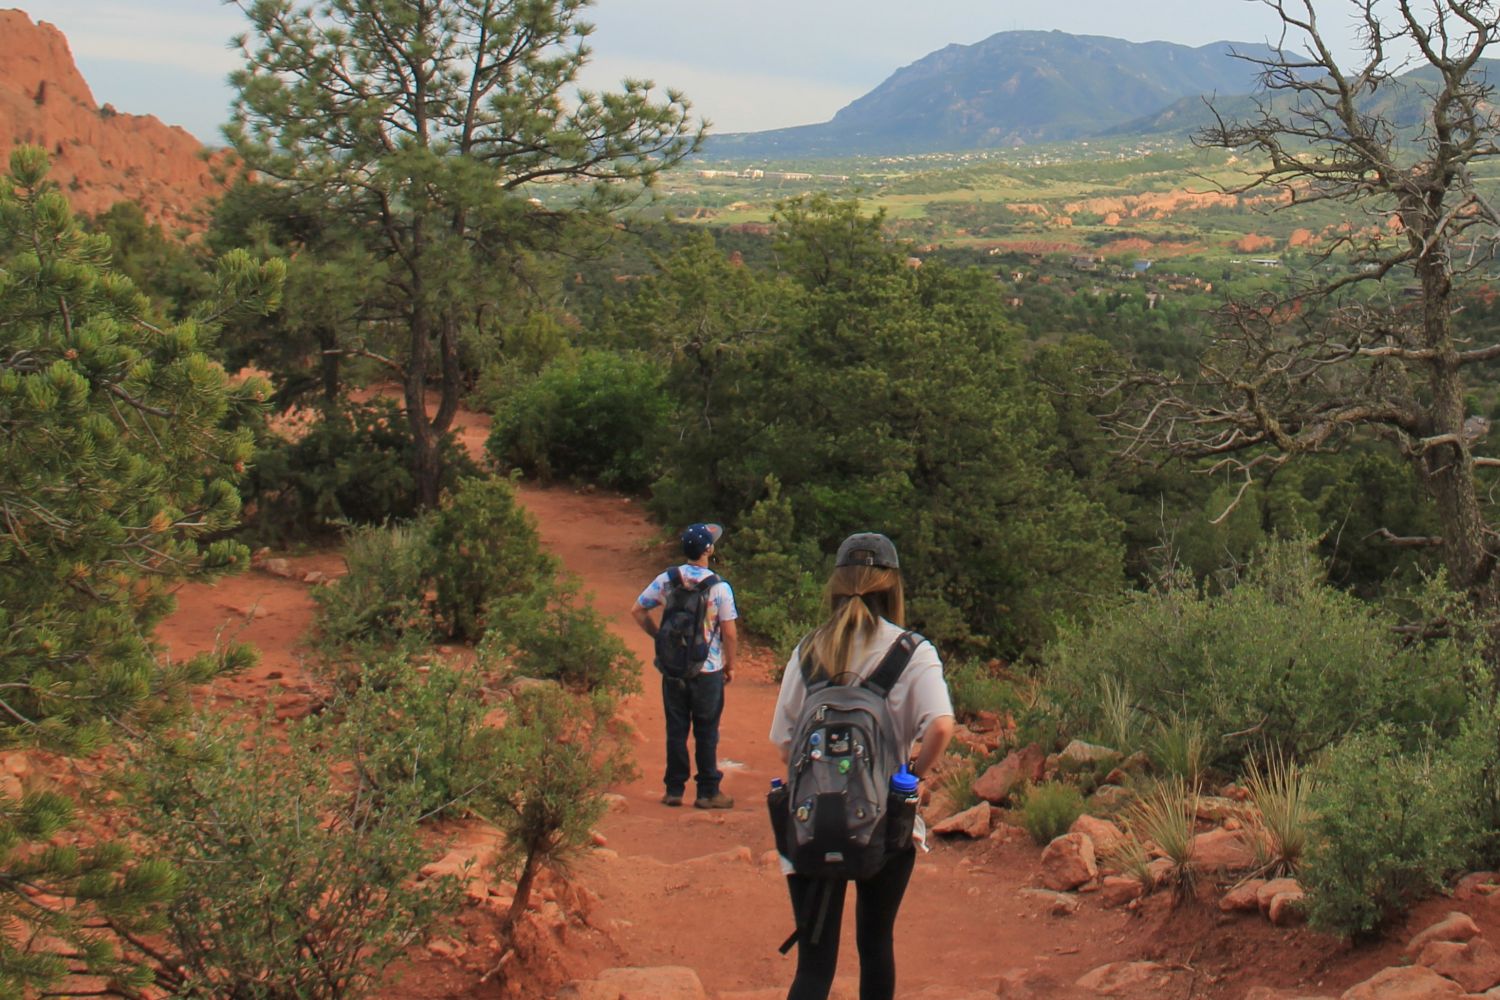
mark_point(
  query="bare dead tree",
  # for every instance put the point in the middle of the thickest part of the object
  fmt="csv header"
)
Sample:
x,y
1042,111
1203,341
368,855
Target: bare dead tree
x,y
1340,356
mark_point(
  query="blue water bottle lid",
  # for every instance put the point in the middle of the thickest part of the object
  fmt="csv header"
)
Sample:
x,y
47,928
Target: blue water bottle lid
x,y
903,781
776,783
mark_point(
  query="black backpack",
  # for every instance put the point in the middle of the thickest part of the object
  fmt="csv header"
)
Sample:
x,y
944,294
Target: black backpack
x,y
836,817
681,647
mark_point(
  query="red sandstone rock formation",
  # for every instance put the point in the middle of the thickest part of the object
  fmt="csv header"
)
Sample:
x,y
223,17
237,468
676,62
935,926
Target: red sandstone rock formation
x,y
99,156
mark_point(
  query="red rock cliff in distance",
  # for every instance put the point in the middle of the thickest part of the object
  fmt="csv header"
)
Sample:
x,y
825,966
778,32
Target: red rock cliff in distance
x,y
99,156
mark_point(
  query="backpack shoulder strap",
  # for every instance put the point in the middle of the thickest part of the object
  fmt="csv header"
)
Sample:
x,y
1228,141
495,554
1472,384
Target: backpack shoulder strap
x,y
674,577
891,666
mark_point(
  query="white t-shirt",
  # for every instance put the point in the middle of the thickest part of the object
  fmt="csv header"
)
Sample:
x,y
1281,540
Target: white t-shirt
x,y
919,696
720,609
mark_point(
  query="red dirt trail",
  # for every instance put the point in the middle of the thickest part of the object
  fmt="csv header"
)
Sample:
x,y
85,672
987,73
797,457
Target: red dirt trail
x,y
691,888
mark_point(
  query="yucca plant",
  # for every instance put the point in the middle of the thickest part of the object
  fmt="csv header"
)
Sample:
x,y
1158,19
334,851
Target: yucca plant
x,y
1281,793
1162,815
1130,856
1120,724
1179,748
958,785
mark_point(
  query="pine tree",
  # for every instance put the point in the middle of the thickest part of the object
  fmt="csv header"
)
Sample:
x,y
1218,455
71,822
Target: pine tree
x,y
420,124
119,445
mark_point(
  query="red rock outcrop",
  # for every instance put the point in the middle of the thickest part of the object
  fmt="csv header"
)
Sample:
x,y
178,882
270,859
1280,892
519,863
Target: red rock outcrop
x,y
99,156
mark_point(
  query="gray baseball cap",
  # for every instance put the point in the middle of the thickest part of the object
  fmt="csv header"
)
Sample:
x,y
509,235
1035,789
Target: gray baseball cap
x,y
868,548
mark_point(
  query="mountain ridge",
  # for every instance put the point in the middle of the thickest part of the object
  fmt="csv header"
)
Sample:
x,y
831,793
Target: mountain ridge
x,y
1010,89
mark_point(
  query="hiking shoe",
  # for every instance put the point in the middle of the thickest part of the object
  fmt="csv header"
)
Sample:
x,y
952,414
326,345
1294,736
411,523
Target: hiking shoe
x,y
671,800
716,801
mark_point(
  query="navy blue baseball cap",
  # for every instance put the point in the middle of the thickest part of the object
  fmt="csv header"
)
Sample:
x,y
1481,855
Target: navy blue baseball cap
x,y
698,537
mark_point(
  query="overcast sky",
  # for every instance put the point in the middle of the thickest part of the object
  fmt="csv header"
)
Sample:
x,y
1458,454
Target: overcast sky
x,y
745,64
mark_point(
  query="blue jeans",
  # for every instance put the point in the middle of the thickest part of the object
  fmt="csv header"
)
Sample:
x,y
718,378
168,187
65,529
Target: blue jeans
x,y
693,705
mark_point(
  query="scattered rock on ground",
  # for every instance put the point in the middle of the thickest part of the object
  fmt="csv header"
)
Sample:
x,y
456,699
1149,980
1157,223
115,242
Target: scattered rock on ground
x,y
667,982
1078,755
1242,898
1102,832
1222,850
1121,889
1109,799
1288,908
1413,982
1058,904
1455,926
1271,888
1130,979
999,782
1473,964
1068,862
974,822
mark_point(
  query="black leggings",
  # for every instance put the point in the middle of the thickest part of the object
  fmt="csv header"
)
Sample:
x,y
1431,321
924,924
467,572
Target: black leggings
x,y
877,899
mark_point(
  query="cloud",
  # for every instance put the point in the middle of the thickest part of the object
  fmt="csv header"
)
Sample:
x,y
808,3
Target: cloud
x,y
731,101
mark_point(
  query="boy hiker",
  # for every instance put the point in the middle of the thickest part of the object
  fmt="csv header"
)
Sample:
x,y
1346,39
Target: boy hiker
x,y
696,640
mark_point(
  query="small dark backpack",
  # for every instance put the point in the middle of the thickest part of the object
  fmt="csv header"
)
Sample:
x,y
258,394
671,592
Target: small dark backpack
x,y
837,818
681,647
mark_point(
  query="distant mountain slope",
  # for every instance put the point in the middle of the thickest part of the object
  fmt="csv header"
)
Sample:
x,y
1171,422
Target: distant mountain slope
x,y
1013,88
1400,102
99,156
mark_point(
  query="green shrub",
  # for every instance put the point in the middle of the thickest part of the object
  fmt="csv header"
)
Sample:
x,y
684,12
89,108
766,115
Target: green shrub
x,y
974,687
957,784
288,884
1179,748
560,753
1281,659
485,550
598,416
1049,809
567,641
353,464
770,569
382,597
420,735
1391,824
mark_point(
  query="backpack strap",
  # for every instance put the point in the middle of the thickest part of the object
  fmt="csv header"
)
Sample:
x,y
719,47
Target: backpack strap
x,y
674,577
896,658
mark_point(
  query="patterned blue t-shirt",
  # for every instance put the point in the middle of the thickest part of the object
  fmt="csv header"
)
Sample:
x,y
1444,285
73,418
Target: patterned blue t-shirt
x,y
720,608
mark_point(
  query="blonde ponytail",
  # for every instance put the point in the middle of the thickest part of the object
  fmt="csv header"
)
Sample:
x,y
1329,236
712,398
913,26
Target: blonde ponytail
x,y
857,598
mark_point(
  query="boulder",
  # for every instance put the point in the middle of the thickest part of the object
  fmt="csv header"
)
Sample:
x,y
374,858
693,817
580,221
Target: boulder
x,y
1272,993
1456,926
973,822
1412,982
1000,781
1242,898
1473,964
1102,832
1271,888
1222,850
1068,862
